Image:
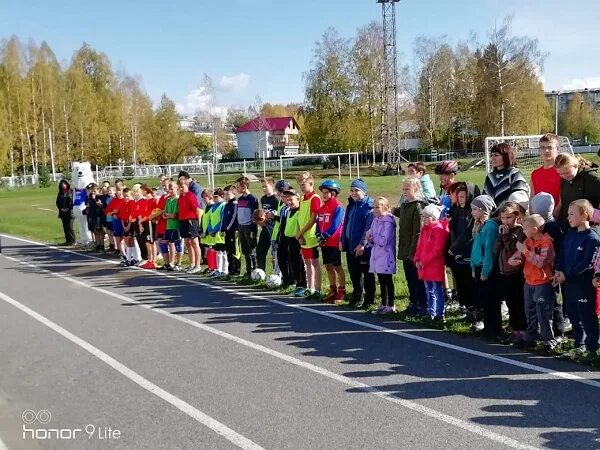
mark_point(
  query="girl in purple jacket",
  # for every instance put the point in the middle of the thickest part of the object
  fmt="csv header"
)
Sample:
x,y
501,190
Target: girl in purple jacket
x,y
382,238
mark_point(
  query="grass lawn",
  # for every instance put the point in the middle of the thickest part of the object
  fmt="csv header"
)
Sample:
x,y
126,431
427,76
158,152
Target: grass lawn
x,y
30,212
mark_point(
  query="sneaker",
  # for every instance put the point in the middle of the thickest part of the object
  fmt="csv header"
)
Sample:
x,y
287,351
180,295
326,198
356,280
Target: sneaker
x,y
315,295
331,294
388,310
148,265
379,310
124,263
164,267
194,269
567,325
307,293
176,268
341,295
142,262
549,347
478,326
299,292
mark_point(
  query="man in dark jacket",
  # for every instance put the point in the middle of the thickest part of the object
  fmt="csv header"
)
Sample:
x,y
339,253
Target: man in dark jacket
x,y
357,221
64,204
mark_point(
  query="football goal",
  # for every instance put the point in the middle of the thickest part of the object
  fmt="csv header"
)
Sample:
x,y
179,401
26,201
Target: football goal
x,y
346,163
526,149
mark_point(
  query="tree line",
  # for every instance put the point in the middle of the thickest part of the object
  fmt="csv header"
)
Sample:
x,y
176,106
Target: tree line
x,y
457,95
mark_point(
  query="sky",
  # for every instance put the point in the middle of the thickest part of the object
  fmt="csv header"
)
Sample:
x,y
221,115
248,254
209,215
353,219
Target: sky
x,y
262,48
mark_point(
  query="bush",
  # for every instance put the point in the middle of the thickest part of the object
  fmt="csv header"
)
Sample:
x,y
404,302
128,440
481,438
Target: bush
x,y
43,177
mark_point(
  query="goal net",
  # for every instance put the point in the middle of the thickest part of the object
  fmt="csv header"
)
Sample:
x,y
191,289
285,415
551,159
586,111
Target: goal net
x,y
526,149
342,164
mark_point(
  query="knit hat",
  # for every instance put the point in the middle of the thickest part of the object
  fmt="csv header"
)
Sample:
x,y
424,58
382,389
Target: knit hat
x,y
359,184
433,211
484,203
542,204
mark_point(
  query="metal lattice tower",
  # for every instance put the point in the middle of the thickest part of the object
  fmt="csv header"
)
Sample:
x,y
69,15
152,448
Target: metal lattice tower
x,y
389,123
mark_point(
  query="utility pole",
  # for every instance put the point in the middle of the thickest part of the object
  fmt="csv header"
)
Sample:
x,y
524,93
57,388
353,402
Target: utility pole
x,y
210,92
389,124
262,140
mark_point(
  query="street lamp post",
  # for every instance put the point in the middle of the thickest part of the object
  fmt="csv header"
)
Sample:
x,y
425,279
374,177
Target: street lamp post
x,y
557,94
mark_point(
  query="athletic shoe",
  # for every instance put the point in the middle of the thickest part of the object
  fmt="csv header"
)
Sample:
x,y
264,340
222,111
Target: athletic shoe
x,y
164,267
576,353
175,268
194,269
549,347
149,265
315,295
307,293
388,310
124,263
142,262
330,297
567,325
378,311
299,292
478,326
341,295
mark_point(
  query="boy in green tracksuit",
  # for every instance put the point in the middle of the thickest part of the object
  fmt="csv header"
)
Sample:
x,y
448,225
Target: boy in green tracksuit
x,y
215,219
172,231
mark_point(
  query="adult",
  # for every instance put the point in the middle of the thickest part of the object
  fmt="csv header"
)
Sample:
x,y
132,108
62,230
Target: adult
x,y
420,171
64,204
193,186
446,171
545,178
163,185
579,180
505,182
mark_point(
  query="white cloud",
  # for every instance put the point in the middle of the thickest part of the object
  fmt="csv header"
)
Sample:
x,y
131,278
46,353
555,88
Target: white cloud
x,y
582,83
198,100
233,83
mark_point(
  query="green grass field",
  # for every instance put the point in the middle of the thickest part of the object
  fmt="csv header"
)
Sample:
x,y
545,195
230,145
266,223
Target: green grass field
x,y
30,212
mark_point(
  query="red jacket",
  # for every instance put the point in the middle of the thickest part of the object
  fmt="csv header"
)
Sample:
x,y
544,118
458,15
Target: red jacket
x,y
431,249
330,222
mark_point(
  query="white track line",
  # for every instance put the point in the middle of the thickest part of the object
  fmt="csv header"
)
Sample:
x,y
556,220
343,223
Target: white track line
x,y
432,413
216,426
404,334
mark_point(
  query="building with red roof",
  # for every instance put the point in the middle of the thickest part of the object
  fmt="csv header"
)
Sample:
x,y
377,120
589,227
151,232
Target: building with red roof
x,y
268,137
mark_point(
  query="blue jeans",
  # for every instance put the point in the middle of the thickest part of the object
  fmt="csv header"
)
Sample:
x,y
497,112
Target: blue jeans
x,y
435,298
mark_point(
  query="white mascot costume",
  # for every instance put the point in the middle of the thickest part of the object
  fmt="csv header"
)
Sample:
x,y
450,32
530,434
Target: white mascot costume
x,y
81,176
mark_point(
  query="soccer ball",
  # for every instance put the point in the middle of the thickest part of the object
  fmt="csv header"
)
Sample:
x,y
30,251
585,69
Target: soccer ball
x,y
258,275
273,281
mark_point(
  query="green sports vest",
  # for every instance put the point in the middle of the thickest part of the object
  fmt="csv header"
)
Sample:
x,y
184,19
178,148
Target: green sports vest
x,y
206,240
291,223
310,237
215,217
275,233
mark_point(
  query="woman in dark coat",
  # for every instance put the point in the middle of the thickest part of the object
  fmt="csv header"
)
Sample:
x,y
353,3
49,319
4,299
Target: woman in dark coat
x,y
64,203
505,182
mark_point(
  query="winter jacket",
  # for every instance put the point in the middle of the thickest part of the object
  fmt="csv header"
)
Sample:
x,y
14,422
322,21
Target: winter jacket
x,y
409,226
538,261
577,255
357,221
507,184
482,254
586,184
431,249
383,245
461,228
506,247
64,200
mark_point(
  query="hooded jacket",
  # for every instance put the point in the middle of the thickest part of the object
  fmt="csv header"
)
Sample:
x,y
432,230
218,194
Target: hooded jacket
x,y
586,184
461,227
357,221
430,250
409,227
383,245
64,200
482,254
539,260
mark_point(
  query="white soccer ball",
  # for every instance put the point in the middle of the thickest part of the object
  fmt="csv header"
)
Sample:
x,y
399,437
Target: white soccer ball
x,y
273,281
258,275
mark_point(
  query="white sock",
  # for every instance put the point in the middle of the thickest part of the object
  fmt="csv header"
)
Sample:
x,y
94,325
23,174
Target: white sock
x,y
128,253
137,255
225,266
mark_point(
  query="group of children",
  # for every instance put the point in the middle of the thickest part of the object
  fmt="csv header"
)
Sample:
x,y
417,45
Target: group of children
x,y
495,254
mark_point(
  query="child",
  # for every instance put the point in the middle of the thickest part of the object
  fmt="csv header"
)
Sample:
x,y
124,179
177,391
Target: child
x,y
246,205
537,257
161,226
132,256
280,187
461,243
542,203
117,209
206,240
145,236
429,259
310,203
418,170
510,276
214,231
485,233
108,220
229,228
292,245
280,243
409,226
95,212
357,221
189,215
268,203
172,236
574,269
382,238
329,229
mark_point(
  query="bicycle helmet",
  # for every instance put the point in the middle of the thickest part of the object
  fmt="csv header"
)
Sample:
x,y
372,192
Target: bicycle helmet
x,y
446,167
332,185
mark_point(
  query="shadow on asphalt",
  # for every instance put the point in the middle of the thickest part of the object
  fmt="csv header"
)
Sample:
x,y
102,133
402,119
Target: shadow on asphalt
x,y
549,403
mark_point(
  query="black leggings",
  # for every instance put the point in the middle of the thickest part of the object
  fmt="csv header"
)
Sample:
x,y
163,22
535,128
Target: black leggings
x,y
386,286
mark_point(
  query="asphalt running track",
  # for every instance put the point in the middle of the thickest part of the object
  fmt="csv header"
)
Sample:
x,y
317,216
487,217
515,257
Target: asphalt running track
x,y
185,362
